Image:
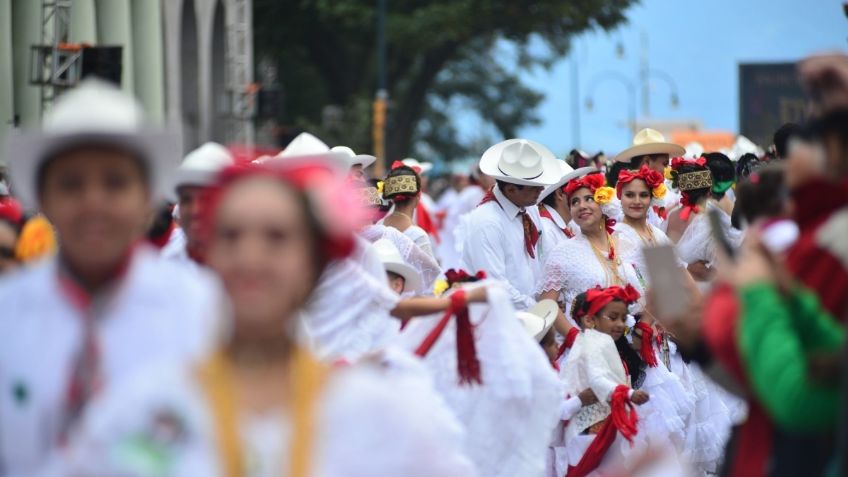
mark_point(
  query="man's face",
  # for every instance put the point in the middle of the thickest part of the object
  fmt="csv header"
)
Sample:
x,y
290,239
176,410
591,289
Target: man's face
x,y
99,202
191,208
523,196
657,162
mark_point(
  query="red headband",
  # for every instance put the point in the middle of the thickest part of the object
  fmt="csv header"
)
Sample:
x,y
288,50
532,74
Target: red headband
x,y
597,298
679,161
333,202
591,181
651,177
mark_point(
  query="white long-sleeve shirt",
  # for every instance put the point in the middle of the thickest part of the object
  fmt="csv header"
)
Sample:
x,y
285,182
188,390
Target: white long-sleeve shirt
x,y
158,310
494,241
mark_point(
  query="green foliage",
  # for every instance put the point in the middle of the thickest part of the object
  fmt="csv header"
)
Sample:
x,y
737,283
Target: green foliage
x,y
442,55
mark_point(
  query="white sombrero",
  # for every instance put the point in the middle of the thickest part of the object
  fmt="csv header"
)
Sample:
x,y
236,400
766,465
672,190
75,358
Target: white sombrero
x,y
522,162
537,321
649,141
94,113
305,146
420,167
393,262
202,165
354,159
567,174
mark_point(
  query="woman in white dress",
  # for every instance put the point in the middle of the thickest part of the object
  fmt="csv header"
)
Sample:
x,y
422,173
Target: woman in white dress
x,y
595,256
261,405
402,188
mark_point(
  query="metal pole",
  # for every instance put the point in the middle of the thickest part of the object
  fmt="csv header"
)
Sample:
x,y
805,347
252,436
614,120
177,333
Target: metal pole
x,y
643,77
379,130
575,102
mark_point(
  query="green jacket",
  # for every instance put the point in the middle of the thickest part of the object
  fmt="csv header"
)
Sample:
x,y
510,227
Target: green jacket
x,y
775,335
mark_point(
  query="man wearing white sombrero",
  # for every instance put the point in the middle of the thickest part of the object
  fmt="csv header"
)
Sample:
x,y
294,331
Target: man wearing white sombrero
x,y
502,234
105,305
194,177
650,149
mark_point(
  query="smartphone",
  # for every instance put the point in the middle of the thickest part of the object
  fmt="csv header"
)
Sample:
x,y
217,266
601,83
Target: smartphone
x,y
671,297
719,235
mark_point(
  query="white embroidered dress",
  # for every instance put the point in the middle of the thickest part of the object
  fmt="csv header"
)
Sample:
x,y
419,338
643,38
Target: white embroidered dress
x,y
510,416
368,424
411,253
158,310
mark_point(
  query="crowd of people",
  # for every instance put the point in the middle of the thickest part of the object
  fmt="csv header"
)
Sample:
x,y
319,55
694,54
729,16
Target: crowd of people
x,y
289,314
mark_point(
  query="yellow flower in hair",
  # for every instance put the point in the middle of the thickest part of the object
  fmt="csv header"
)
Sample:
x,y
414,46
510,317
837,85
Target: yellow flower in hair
x,y
439,287
603,195
380,188
37,240
667,173
659,191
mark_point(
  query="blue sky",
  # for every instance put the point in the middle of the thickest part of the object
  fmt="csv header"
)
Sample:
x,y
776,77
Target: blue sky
x,y
699,43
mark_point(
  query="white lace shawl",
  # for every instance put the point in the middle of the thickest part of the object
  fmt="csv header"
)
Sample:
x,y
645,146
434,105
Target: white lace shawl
x,y
697,242
410,251
519,391
572,268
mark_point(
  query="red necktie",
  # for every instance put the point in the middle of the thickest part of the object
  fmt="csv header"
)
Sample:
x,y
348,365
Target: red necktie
x,y
531,233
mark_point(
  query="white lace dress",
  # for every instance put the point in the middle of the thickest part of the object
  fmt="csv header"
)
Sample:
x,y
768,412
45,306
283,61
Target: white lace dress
x,y
573,267
697,243
368,424
411,253
510,416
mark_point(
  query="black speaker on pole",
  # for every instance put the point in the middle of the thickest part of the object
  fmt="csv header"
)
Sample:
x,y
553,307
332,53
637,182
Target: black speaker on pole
x,y
105,62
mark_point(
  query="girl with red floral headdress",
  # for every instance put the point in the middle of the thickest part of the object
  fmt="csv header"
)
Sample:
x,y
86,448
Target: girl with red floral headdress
x,y
261,403
595,256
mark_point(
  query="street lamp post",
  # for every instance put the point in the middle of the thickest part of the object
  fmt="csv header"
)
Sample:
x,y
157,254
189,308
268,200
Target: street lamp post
x,y
382,97
629,86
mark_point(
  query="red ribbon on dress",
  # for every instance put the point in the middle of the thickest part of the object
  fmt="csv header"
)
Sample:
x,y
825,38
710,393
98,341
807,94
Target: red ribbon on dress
x,y
568,343
647,349
468,366
661,212
619,420
425,221
544,212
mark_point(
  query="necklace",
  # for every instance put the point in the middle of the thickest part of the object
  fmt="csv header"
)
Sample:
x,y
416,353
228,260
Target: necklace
x,y
402,215
608,260
647,238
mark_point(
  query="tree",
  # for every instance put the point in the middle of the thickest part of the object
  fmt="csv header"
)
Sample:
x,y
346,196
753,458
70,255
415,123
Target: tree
x,y
442,54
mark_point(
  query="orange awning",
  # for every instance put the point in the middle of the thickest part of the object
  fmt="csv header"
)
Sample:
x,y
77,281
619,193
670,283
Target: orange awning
x,y
711,140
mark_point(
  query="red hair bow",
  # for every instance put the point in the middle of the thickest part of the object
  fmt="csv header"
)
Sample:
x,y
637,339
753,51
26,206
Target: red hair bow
x,y
679,161
651,177
591,182
11,210
598,297
461,276
397,164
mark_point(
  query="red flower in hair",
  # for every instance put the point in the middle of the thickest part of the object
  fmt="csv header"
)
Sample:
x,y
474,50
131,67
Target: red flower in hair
x,y
591,182
651,177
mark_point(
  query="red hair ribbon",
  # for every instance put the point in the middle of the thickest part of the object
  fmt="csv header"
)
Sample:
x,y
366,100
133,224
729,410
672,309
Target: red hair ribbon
x,y
647,350
591,181
398,164
679,161
11,210
598,298
661,212
609,225
687,206
651,177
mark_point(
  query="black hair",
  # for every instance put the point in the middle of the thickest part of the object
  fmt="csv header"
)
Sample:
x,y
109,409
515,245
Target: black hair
x,y
400,198
502,184
783,135
695,195
833,125
762,195
633,360
722,170
747,164
614,171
